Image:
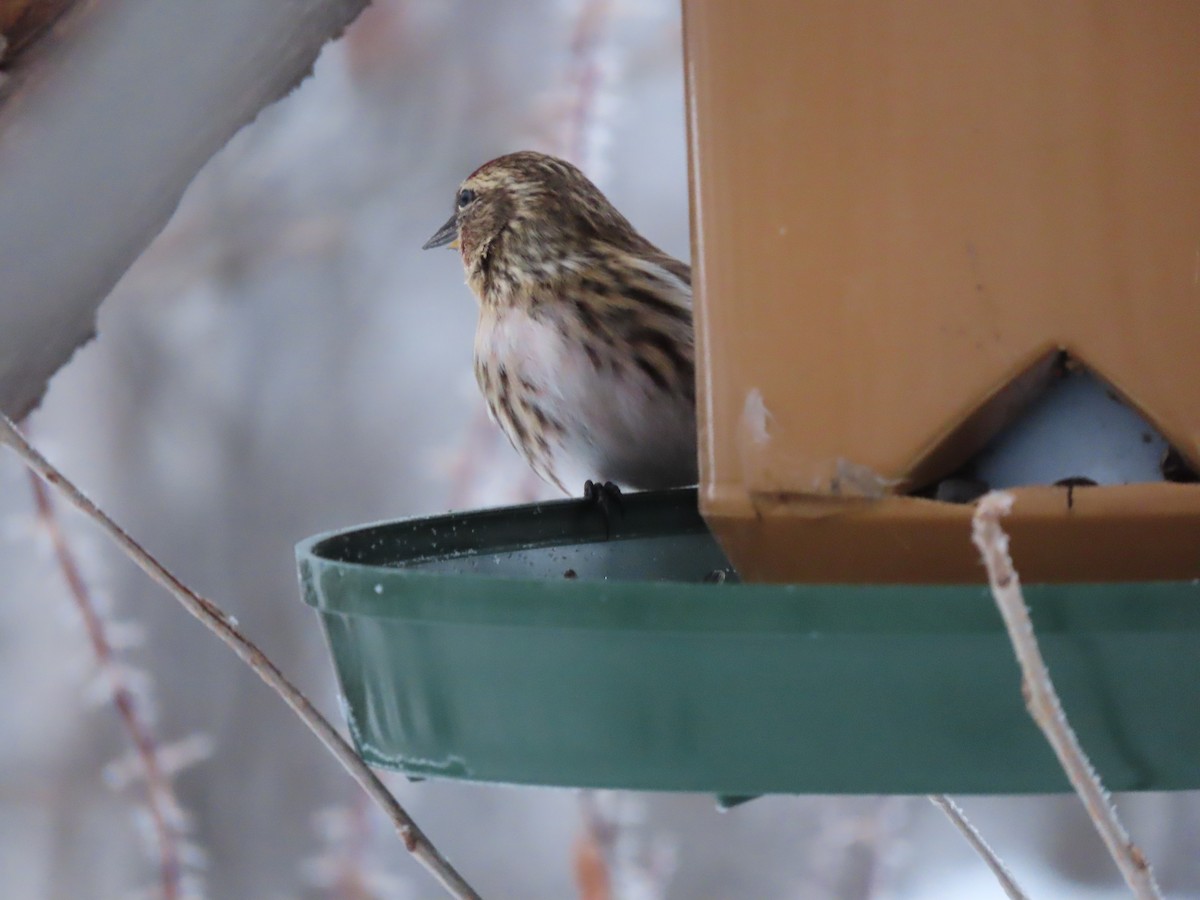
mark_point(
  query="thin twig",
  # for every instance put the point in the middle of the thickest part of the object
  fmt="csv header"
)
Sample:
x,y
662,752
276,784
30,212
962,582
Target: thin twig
x,y
584,76
158,786
593,879
1042,700
216,621
975,839
351,882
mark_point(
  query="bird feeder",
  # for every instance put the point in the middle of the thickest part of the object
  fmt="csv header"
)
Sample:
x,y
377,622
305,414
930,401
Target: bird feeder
x,y
904,215
920,230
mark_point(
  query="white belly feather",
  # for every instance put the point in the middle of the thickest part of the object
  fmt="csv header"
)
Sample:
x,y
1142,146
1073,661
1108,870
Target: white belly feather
x,y
616,425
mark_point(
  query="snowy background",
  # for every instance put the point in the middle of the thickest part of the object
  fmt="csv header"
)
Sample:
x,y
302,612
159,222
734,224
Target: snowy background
x,y
284,360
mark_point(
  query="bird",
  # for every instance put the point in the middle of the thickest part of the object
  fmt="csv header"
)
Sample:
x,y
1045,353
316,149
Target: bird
x,y
584,347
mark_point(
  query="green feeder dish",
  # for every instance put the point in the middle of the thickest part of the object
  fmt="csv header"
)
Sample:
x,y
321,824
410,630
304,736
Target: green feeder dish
x,y
542,644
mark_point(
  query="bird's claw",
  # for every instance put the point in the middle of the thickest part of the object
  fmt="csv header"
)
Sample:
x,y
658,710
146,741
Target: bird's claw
x,y
606,497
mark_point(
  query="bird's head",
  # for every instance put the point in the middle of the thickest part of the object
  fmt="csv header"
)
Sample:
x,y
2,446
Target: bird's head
x,y
520,216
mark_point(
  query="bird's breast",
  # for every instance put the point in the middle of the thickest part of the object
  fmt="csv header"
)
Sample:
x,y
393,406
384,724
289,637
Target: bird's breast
x,y
576,414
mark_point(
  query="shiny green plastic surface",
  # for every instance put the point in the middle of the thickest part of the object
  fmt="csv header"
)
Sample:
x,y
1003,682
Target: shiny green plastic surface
x,y
522,645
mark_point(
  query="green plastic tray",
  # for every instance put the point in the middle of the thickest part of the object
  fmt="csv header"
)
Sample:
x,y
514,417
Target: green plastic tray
x,y
463,650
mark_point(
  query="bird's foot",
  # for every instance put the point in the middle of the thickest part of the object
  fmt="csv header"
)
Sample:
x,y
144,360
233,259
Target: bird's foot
x,y
606,497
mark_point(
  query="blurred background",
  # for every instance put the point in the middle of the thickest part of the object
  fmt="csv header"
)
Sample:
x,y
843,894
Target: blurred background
x,y
285,360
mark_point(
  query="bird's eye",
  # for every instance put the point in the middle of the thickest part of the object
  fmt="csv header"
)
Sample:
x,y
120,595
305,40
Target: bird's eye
x,y
465,197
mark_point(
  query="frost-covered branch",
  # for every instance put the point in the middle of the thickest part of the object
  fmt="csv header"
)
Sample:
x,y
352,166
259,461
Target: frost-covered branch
x,y
161,802
1042,700
584,130
345,867
955,814
589,863
220,624
616,855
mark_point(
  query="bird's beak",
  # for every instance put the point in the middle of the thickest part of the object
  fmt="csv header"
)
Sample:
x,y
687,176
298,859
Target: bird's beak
x,y
447,234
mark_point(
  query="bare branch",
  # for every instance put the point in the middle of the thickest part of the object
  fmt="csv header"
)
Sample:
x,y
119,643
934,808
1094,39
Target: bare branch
x,y
585,78
589,856
219,623
955,814
1042,700
160,795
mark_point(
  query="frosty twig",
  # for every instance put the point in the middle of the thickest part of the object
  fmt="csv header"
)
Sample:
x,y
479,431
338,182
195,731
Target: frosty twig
x,y
1042,700
160,795
582,129
218,622
980,846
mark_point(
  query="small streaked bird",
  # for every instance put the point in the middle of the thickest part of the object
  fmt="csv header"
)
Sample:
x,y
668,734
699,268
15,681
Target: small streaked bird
x,y
584,349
